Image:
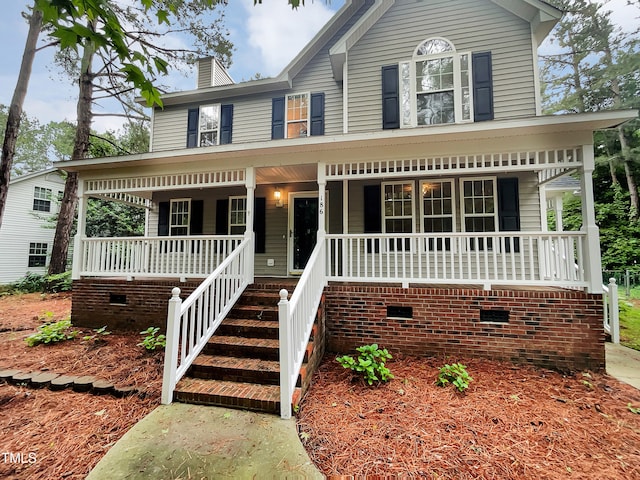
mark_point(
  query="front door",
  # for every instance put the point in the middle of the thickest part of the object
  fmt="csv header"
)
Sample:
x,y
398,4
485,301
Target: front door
x,y
303,229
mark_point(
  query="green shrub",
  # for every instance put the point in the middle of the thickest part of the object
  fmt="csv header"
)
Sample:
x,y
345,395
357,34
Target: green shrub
x,y
457,374
51,333
370,363
152,340
30,283
60,282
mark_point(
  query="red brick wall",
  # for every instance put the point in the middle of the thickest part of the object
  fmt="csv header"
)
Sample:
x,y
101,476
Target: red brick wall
x,y
560,329
146,303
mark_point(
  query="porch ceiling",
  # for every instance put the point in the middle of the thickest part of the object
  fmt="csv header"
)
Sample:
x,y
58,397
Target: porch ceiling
x,y
292,173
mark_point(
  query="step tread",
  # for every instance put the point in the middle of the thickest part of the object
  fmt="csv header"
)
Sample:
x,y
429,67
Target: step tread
x,y
249,322
237,363
244,341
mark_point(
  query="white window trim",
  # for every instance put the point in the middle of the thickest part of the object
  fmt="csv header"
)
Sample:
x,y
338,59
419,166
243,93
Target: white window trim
x,y
286,113
413,204
457,84
171,225
38,253
464,216
452,182
229,224
201,130
43,194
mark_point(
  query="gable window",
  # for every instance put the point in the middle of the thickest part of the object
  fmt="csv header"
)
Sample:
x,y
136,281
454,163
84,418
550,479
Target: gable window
x,y
209,125
435,85
438,201
42,199
479,212
237,215
397,211
37,254
179,217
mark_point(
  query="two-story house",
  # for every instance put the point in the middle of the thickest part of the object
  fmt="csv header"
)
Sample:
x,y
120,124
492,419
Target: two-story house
x,y
27,230
397,167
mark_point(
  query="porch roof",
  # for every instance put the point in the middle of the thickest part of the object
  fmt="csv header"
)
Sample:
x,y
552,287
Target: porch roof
x,y
474,138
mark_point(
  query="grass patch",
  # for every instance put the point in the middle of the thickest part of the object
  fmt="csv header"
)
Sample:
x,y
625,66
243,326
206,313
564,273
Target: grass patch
x,y
630,324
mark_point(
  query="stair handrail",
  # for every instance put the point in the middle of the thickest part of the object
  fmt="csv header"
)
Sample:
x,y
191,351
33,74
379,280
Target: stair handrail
x,y
611,317
190,324
296,318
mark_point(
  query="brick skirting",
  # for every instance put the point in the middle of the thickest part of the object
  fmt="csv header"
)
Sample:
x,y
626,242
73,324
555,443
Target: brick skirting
x,y
554,328
121,304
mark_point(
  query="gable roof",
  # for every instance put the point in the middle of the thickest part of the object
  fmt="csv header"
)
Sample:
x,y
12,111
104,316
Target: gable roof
x,y
28,176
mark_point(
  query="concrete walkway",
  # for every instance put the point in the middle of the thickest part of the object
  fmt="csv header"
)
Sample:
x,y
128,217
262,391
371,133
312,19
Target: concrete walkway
x,y
623,363
195,441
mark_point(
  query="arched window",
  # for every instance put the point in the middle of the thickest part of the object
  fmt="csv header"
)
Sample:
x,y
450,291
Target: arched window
x,y
435,85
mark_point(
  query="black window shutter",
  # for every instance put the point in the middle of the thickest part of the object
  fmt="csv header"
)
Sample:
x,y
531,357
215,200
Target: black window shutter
x,y
197,217
372,214
317,114
482,87
509,209
390,97
222,216
192,127
226,123
277,118
163,219
260,224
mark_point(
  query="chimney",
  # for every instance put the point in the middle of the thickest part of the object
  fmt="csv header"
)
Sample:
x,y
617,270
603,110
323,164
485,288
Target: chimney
x,y
211,73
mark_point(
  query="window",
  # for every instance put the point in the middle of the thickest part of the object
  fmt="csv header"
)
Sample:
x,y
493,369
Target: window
x,y
42,199
436,85
237,215
37,254
297,115
479,212
438,203
179,217
397,211
209,126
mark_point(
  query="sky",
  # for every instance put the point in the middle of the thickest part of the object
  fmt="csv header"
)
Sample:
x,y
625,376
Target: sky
x,y
266,38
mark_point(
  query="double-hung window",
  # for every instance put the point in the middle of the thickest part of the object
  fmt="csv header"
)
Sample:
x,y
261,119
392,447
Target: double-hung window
x,y
209,126
237,215
435,85
397,211
297,115
479,209
438,211
37,254
42,199
179,217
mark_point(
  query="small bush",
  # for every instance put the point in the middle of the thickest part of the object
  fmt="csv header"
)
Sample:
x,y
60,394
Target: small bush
x,y
60,282
370,363
152,340
30,283
457,374
51,333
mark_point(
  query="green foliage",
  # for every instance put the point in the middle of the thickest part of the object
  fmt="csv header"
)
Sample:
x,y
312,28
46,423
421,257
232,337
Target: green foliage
x,y
59,282
34,283
152,340
629,325
457,374
370,363
52,333
97,336
633,409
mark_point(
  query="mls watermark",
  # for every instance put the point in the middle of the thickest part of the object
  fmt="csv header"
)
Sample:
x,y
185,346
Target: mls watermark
x,y
20,458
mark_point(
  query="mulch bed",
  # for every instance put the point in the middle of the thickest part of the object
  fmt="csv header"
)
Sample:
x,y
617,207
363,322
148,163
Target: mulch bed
x,y
513,422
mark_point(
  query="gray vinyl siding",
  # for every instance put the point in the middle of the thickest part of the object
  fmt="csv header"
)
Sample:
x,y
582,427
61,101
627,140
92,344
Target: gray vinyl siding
x,y
471,25
169,128
204,72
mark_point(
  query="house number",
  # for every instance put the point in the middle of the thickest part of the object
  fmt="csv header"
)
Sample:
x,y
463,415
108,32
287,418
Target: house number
x,y
321,207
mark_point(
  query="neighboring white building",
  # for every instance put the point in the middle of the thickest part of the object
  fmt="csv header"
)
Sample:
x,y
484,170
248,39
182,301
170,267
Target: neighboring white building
x,y
26,234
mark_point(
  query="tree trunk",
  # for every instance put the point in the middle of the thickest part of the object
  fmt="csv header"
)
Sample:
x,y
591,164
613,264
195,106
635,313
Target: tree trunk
x,y
15,110
58,262
631,181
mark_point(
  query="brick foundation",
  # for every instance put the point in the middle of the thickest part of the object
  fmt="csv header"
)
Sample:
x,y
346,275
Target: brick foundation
x,y
553,328
98,302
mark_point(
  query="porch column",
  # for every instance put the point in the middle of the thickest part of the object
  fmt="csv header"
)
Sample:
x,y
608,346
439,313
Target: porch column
x,y
322,201
558,205
544,222
591,251
250,182
81,231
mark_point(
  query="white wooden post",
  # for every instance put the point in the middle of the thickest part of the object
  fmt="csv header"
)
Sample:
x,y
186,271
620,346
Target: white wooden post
x,y
286,355
614,313
592,260
78,255
322,201
171,350
249,233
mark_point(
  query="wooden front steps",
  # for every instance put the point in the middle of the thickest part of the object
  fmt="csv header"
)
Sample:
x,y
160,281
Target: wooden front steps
x,y
239,367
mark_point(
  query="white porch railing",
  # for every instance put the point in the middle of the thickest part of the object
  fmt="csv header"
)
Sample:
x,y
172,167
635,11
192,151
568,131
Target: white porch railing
x,y
512,258
193,256
611,311
296,318
191,324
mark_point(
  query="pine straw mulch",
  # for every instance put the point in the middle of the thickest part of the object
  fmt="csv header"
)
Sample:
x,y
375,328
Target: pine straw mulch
x,y
64,434
513,422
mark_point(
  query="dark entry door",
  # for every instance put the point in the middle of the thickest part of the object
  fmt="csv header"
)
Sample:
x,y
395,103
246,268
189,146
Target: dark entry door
x,y
304,230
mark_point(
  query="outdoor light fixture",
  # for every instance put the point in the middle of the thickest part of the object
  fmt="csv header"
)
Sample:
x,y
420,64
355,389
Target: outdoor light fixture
x,y
278,197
